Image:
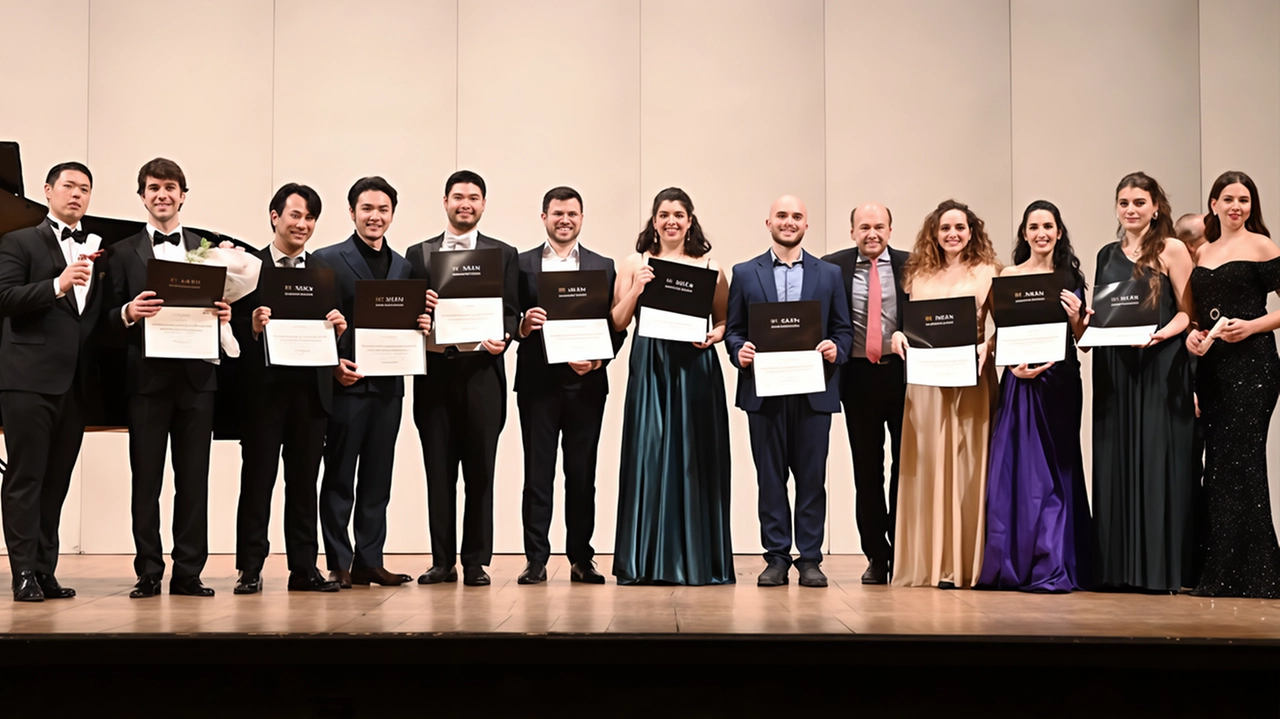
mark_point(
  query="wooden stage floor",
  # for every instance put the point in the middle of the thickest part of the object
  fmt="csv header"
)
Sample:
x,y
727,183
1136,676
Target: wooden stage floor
x,y
844,609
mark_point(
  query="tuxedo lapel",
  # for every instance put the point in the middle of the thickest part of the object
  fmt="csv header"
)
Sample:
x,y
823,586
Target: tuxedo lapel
x,y
142,246
351,254
190,240
52,244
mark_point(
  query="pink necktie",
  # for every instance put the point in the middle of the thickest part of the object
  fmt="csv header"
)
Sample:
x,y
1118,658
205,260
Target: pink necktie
x,y
874,333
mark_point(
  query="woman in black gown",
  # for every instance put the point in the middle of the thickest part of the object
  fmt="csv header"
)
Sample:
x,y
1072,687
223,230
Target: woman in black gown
x,y
1145,482
1238,382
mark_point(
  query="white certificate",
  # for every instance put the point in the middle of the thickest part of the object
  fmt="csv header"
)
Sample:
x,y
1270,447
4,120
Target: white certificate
x,y
577,340
943,366
459,320
300,343
182,333
1031,344
783,373
664,325
1116,336
389,353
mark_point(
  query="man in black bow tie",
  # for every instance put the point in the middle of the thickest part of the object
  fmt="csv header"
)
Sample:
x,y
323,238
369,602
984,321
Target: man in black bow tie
x,y
50,289
170,400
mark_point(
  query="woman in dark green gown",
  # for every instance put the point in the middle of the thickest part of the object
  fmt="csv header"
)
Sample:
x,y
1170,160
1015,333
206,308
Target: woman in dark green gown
x,y
673,483
1145,487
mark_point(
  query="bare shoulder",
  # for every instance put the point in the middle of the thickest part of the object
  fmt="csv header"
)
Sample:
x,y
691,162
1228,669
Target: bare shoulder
x,y
1010,271
631,261
1264,246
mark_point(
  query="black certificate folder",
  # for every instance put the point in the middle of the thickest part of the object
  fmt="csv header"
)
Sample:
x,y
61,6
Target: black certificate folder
x,y
467,273
680,288
1028,300
947,322
390,304
579,295
297,294
1124,304
186,284
785,326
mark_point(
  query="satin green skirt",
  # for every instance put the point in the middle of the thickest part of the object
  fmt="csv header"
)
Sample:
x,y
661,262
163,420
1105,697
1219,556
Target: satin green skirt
x,y
673,483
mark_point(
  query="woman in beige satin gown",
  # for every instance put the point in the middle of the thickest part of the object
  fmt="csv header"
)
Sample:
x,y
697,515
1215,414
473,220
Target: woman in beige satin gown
x,y
946,430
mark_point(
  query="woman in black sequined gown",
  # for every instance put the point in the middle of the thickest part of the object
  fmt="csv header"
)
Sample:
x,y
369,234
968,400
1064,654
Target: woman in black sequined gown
x,y
1238,383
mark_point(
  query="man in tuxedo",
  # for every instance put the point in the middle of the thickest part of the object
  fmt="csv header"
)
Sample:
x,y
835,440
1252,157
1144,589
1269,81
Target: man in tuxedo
x,y
51,278
789,432
559,400
284,408
873,384
461,404
171,401
366,412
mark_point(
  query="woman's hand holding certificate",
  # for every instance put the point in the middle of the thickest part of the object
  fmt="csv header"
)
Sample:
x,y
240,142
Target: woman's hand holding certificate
x,y
939,341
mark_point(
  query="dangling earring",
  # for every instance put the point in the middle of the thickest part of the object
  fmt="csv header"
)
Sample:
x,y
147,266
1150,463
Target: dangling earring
x,y
1155,216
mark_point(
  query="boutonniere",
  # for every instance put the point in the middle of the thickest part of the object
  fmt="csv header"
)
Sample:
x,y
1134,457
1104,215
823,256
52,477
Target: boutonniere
x,y
201,253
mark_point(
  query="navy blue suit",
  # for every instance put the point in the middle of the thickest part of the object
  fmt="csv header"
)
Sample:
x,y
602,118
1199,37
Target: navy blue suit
x,y
790,433
363,425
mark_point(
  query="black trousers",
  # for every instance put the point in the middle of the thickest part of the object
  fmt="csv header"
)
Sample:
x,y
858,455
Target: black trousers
x,y
873,396
289,417
571,418
360,444
43,435
183,419
459,422
788,435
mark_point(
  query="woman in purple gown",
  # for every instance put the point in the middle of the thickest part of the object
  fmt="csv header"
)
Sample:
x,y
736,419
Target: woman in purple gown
x,y
1037,510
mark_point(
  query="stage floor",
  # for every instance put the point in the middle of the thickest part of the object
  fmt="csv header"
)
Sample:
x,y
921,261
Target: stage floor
x,y
846,608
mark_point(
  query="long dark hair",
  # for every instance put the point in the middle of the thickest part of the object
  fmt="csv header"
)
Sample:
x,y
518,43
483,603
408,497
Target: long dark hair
x,y
1161,228
1213,226
1064,258
695,241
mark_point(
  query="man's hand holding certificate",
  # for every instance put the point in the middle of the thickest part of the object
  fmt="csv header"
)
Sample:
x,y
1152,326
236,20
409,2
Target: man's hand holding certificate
x,y
296,330
1031,326
576,304
388,339
942,338
469,286
677,302
785,337
1124,315
187,324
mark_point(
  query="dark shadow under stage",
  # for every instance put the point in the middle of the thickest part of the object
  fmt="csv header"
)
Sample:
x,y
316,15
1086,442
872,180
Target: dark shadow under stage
x,y
563,648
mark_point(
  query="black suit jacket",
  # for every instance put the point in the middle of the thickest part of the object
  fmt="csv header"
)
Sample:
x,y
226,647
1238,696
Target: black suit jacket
x,y
253,358
45,339
348,265
847,260
533,374
127,268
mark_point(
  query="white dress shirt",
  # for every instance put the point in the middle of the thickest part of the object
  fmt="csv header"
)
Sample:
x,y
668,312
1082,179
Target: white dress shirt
x,y
551,262
300,260
71,251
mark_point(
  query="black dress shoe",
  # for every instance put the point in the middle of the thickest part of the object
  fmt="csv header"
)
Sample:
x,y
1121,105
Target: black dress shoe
x,y
877,572
26,588
377,575
774,575
810,575
475,577
189,587
946,585
311,581
436,575
148,586
586,573
534,573
342,577
52,589
249,583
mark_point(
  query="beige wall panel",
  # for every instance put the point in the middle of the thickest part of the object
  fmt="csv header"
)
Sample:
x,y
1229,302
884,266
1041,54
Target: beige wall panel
x,y
368,89
731,110
560,105
1086,112
1240,120
211,113
56,77
917,106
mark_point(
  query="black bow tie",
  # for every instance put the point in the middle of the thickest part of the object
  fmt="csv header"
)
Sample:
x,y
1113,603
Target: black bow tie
x,y
78,235
158,238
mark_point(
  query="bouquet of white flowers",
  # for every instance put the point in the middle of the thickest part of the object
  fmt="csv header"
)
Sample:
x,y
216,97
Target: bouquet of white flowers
x,y
242,278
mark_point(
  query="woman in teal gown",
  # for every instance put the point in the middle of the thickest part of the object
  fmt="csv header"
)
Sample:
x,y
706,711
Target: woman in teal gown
x,y
673,483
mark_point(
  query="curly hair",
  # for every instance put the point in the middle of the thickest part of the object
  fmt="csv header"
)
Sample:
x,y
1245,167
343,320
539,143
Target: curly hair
x,y
927,257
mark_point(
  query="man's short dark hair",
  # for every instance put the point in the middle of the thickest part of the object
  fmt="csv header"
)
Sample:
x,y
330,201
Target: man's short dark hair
x,y
308,195
463,177
563,194
374,183
56,172
161,169
854,213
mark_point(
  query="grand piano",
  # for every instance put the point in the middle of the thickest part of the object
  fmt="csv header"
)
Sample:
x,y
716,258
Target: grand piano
x,y
18,211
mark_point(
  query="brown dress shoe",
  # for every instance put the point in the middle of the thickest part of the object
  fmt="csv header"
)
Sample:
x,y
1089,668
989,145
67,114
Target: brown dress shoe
x,y
342,577
377,575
